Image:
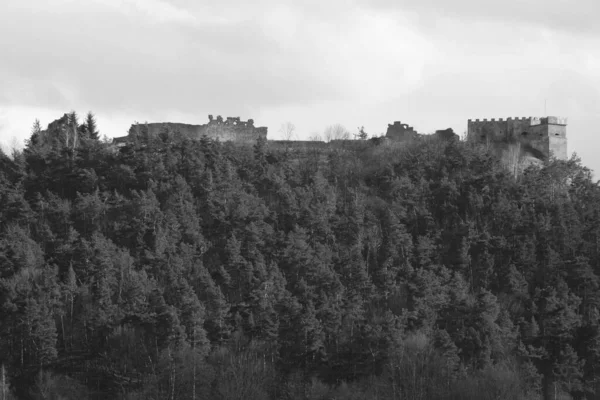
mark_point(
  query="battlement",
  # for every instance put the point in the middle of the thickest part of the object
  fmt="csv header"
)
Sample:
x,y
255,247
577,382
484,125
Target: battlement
x,y
230,121
533,120
540,136
499,119
555,120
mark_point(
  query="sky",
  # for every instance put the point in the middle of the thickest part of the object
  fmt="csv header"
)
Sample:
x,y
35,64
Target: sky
x,y
430,63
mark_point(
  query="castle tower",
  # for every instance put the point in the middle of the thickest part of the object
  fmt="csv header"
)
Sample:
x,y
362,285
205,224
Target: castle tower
x,y
557,135
539,137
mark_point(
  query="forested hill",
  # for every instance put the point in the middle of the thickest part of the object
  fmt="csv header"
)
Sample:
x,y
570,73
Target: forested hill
x,y
179,269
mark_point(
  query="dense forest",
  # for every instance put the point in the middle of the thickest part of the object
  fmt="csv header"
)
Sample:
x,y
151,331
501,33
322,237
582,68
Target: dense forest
x,y
177,269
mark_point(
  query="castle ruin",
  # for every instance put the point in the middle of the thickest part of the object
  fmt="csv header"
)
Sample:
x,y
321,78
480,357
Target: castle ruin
x,y
231,129
524,141
537,137
400,132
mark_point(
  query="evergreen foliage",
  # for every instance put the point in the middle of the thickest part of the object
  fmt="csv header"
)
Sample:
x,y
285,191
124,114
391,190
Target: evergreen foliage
x,y
178,269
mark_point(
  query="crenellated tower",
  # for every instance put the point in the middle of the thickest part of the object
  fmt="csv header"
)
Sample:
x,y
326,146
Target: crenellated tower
x,y
539,137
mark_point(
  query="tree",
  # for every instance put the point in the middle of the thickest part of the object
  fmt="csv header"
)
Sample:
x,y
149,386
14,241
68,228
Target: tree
x,y
336,132
512,158
40,333
72,130
36,136
36,129
91,127
288,130
196,269
362,135
5,391
316,137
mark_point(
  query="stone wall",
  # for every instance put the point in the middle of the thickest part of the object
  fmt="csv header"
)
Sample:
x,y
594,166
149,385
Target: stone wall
x,y
538,136
231,129
557,135
400,132
446,134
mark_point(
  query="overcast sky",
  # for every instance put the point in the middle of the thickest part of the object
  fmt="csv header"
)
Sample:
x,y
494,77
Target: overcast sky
x,y
430,63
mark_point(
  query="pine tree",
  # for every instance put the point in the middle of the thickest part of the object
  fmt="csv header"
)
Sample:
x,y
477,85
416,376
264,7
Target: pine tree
x,y
36,131
40,333
91,127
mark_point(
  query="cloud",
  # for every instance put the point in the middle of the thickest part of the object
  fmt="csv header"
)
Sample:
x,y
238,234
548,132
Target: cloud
x,y
121,58
156,10
579,17
156,56
430,63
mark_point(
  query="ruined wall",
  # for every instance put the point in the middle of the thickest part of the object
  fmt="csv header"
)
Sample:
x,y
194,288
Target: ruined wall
x,y
400,132
154,129
446,134
231,129
537,136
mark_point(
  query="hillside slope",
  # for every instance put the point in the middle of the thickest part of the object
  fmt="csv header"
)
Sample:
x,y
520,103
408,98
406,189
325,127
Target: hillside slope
x,y
193,269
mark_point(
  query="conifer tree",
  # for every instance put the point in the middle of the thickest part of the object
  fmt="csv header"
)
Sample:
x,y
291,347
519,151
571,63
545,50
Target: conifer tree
x,y
91,127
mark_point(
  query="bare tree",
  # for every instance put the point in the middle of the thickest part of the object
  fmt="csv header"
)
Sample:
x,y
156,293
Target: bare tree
x,y
336,132
73,129
288,130
16,147
12,148
316,137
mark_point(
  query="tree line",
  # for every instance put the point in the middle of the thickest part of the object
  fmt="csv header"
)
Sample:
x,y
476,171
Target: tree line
x,y
180,269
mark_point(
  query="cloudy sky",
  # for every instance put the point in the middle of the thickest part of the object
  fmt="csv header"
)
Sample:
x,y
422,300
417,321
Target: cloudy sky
x,y
430,63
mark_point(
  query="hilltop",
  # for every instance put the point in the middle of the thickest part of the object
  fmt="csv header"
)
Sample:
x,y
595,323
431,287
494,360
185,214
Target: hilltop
x,y
172,267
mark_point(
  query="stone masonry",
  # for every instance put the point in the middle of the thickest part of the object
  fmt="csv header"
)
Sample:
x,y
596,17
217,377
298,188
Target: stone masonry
x,y
230,129
538,137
